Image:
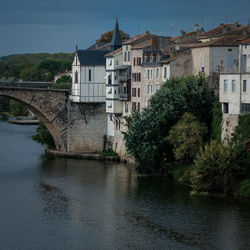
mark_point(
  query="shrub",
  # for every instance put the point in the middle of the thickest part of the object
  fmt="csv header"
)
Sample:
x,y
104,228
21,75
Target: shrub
x,y
243,188
216,121
17,108
43,136
187,137
214,168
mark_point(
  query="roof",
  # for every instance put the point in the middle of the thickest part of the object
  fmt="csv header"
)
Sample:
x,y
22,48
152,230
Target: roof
x,y
247,41
92,57
142,45
135,38
116,39
222,41
218,30
175,57
123,67
114,52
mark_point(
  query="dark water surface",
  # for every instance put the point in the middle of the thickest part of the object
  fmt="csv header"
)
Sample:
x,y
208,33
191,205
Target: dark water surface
x,y
48,203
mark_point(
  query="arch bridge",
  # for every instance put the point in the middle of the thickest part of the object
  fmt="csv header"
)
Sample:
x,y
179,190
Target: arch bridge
x,y
74,127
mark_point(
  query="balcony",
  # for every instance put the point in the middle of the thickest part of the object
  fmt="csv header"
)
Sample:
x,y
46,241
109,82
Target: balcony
x,y
123,97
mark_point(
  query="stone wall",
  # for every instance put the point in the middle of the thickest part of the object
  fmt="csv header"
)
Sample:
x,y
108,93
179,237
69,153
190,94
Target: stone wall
x,y
86,127
229,123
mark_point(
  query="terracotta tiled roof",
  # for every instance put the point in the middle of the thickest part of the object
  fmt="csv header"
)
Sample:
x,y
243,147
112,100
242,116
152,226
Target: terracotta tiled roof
x,y
142,45
247,41
135,38
114,52
184,35
232,40
172,58
217,30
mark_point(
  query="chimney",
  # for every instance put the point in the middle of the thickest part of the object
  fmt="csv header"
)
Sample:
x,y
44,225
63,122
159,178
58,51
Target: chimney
x,y
196,27
154,42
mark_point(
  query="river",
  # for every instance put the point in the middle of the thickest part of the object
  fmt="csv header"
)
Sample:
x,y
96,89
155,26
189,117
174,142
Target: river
x,y
53,203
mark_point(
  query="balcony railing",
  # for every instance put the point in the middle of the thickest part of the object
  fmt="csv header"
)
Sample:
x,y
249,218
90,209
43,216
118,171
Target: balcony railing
x,y
123,97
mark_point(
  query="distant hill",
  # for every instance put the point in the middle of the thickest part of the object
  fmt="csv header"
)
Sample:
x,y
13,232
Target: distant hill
x,y
17,59
40,66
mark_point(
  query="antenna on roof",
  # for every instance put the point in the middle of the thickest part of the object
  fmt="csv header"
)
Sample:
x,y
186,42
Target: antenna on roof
x,y
248,22
76,47
202,22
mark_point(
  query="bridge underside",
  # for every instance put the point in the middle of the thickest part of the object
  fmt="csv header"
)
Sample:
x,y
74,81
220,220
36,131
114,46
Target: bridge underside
x,y
74,127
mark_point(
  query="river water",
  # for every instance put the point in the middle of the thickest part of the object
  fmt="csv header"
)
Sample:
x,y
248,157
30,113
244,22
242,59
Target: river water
x,y
52,203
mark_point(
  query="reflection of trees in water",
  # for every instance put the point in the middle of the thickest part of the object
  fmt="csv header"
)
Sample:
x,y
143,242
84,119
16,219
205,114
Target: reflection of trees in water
x,y
56,204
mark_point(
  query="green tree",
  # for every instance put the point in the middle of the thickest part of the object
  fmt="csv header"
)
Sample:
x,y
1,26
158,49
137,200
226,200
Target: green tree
x,y
147,130
43,136
17,108
216,121
65,78
214,169
187,137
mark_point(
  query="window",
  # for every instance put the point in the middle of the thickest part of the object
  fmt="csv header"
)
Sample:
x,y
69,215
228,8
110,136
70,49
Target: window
x,y
225,108
76,77
148,73
129,56
116,62
110,62
133,106
157,87
151,74
138,106
136,77
245,108
233,85
157,73
110,79
139,90
134,92
165,72
126,108
244,86
125,56
138,59
149,89
89,75
225,85
134,61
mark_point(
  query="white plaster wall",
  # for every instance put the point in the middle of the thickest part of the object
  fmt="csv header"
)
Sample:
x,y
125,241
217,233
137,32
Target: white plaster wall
x,y
94,90
232,98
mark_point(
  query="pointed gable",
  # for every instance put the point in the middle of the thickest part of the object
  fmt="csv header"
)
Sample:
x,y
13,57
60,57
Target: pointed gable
x,y
116,39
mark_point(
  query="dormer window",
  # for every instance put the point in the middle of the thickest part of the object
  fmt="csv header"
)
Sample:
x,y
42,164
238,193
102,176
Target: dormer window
x,y
151,58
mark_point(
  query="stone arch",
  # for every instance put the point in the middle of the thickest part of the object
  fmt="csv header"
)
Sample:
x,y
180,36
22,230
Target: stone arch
x,y
49,106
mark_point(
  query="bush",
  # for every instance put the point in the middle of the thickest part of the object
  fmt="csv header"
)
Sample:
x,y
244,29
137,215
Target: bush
x,y
43,136
62,85
243,188
187,137
216,121
17,108
214,168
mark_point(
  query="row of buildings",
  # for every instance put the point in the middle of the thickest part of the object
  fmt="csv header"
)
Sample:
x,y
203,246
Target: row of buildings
x,y
125,74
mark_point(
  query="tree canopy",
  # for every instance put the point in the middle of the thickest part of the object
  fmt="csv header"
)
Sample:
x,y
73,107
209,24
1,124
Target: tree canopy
x,y
146,138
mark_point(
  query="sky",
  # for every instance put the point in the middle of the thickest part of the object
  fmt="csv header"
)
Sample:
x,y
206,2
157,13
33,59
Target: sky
x,y
32,26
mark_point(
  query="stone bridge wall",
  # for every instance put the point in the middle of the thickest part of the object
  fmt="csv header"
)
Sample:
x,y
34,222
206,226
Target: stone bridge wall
x,y
74,127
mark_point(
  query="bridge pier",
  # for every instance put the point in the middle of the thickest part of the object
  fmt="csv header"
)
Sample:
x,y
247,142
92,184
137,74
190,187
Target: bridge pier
x,y
74,127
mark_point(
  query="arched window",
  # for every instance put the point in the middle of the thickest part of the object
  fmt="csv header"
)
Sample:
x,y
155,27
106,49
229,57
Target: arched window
x,y
76,77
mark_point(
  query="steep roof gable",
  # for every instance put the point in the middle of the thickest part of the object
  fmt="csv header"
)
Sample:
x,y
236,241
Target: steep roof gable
x,y
92,57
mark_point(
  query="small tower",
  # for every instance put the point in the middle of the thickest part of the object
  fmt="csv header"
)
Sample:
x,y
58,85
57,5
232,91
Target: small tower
x,y
116,39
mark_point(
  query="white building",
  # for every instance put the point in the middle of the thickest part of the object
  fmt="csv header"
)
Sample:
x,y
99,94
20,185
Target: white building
x,y
88,76
235,91
235,87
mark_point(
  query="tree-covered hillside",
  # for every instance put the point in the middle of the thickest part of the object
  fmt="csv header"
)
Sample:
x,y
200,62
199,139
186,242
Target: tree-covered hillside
x,y
39,67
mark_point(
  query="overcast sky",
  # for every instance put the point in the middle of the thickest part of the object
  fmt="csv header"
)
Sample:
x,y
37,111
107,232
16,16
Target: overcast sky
x,y
31,26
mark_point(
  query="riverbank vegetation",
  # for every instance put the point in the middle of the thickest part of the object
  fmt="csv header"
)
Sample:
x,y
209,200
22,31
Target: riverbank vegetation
x,y
179,133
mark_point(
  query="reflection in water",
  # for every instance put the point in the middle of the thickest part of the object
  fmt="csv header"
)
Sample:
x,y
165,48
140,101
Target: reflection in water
x,y
53,203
